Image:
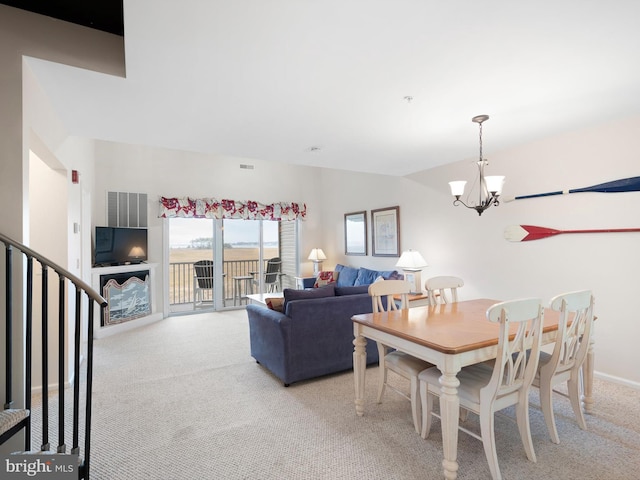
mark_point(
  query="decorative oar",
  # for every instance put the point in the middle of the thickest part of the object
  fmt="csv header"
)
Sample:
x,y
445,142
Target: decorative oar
x,y
631,184
524,233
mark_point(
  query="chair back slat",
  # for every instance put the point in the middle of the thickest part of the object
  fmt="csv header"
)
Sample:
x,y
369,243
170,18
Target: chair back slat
x,y
574,329
204,273
437,288
274,266
517,359
387,289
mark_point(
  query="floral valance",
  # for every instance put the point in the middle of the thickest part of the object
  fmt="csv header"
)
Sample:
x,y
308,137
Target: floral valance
x,y
187,207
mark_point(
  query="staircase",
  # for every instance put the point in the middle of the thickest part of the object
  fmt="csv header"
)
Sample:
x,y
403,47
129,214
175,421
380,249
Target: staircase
x,y
18,419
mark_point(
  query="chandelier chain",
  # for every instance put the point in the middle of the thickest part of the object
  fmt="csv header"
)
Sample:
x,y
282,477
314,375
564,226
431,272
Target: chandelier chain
x,y
480,141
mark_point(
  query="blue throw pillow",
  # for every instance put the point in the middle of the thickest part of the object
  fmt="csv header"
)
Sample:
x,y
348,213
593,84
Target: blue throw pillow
x,y
366,276
347,276
321,292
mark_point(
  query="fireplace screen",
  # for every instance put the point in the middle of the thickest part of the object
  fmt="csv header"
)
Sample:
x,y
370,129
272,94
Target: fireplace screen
x,y
127,295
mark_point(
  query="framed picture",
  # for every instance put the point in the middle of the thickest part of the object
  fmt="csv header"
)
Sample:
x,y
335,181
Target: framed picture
x,y
355,233
385,232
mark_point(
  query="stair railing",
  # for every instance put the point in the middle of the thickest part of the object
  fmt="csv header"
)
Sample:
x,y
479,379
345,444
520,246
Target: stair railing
x,y
20,418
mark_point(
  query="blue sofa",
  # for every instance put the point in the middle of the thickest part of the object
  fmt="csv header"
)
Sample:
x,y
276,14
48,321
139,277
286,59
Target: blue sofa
x,y
313,336
355,277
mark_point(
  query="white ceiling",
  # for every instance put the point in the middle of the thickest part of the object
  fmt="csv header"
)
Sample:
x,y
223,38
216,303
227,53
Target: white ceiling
x,y
270,79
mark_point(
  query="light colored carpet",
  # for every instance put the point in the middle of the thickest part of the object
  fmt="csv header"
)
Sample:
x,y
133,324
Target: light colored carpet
x,y
183,399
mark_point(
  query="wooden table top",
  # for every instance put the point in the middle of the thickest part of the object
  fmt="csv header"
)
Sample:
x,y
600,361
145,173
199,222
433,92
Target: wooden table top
x,y
450,328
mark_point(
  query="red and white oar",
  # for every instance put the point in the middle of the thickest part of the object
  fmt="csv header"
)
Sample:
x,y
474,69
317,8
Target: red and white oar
x,y
524,233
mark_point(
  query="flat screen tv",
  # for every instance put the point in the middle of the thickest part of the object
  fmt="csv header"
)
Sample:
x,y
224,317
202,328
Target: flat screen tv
x,y
120,246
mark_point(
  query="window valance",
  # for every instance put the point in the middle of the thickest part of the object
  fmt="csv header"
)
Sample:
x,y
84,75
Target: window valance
x,y
186,207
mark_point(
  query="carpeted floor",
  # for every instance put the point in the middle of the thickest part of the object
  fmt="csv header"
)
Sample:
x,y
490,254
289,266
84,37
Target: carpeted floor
x,y
183,399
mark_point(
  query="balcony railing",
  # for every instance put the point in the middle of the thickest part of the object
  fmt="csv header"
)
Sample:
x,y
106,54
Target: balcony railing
x,y
181,284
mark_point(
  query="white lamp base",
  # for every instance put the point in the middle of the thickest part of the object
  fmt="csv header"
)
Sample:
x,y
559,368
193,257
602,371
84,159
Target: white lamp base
x,y
317,267
415,279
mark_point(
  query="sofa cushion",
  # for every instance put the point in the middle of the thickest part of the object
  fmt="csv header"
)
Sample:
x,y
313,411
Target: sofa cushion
x,y
275,303
367,277
321,292
347,275
325,278
352,290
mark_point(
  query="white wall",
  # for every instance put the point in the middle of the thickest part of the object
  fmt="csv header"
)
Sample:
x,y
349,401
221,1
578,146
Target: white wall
x,y
353,192
48,221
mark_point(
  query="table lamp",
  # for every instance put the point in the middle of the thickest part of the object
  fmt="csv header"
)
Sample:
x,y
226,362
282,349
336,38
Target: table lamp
x,y
317,255
412,263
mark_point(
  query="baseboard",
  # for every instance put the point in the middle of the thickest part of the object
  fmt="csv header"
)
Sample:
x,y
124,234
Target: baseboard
x,y
53,387
123,327
621,381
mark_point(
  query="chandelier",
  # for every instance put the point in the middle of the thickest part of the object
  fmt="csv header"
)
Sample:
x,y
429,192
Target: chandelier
x,y
490,187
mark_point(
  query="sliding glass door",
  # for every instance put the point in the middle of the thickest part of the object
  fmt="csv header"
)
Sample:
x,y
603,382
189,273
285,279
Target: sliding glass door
x,y
215,264
192,267
251,248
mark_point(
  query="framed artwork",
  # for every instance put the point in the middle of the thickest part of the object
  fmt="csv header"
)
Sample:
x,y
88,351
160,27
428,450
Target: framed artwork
x,y
355,233
385,232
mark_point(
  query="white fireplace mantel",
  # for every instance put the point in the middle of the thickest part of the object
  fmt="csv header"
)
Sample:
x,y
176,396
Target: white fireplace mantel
x,y
100,331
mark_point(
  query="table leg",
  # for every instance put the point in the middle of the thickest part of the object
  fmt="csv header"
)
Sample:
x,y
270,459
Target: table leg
x,y
587,378
359,368
449,411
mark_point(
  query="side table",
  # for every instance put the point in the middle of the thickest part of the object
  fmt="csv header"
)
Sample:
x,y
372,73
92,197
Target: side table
x,y
237,287
415,299
304,282
261,298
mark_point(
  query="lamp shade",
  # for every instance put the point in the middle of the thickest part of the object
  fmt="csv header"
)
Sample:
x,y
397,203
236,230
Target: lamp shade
x,y
494,183
411,260
317,254
457,187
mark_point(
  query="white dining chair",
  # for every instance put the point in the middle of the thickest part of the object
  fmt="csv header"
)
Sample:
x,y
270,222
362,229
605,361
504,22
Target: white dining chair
x,y
569,352
485,390
437,288
398,362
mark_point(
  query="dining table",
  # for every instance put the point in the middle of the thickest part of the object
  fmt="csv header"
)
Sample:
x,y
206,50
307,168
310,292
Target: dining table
x,y
449,336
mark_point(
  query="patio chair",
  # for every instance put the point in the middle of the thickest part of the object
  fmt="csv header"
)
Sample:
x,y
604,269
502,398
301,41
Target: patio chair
x,y
203,281
272,276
